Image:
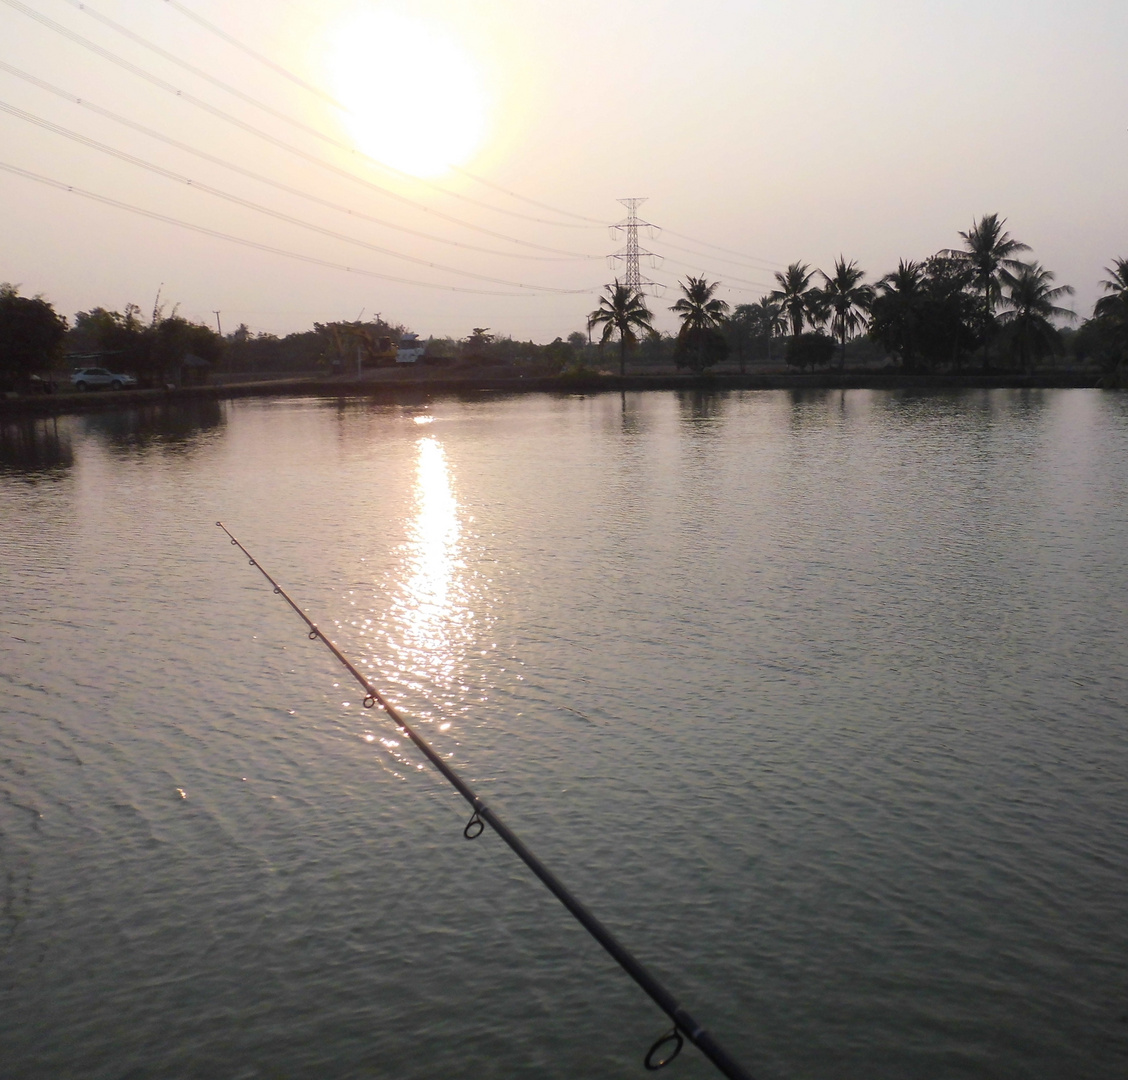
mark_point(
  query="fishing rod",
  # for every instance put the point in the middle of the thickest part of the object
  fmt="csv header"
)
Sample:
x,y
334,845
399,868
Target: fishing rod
x,y
665,1048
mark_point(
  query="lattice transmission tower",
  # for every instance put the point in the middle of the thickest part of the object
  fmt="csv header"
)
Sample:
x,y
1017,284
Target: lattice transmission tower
x,y
630,255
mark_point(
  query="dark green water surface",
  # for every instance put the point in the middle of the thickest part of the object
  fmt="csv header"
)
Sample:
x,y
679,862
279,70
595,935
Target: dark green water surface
x,y
820,702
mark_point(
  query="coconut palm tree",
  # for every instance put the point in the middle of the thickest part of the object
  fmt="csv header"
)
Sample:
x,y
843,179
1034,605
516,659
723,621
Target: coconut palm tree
x,y
951,323
895,312
1110,322
794,294
1116,303
621,309
702,313
699,309
773,323
1029,305
847,301
742,328
991,250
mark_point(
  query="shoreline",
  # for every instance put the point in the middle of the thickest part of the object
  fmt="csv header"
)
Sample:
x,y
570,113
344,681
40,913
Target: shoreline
x,y
440,385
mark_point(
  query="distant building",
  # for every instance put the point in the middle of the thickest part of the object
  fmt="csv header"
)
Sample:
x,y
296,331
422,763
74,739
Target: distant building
x,y
193,370
410,349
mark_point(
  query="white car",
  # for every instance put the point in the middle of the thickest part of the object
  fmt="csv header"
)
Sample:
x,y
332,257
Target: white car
x,y
87,378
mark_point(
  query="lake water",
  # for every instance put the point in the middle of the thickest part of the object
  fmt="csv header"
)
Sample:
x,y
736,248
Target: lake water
x,y
819,701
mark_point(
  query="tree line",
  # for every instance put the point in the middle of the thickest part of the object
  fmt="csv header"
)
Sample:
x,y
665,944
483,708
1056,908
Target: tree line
x,y
979,304
35,340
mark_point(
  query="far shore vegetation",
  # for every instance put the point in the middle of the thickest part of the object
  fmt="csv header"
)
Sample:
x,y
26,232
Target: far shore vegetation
x,y
984,306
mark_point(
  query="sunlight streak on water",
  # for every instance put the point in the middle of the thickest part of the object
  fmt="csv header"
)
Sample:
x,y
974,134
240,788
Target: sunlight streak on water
x,y
429,628
434,544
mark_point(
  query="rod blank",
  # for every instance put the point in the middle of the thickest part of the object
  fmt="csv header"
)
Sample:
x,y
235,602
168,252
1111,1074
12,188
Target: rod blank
x,y
684,1023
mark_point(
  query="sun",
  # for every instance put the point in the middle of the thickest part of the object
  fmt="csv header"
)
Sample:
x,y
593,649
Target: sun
x,y
414,100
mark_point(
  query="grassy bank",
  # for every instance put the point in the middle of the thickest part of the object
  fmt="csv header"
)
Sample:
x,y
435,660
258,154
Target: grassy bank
x,y
423,386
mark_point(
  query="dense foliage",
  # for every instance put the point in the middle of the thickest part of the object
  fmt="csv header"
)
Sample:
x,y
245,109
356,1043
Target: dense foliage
x,y
31,337
979,303
812,349
153,351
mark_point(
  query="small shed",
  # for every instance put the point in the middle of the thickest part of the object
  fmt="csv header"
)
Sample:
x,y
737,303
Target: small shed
x,y
193,370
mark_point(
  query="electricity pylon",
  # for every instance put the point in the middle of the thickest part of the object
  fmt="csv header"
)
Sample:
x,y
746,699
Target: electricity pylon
x,y
631,254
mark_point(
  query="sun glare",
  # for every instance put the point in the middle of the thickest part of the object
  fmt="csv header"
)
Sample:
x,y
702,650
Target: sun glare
x,y
435,544
414,100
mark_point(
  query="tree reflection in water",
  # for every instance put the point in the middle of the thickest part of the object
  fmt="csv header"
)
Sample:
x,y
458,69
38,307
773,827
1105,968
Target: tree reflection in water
x,y
171,425
36,448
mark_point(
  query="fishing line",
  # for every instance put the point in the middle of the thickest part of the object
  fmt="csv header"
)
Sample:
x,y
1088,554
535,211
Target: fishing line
x,y
668,1046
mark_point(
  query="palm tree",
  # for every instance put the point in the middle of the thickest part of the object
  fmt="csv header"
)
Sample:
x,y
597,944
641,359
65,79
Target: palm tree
x,y
1116,303
773,323
1110,319
793,294
698,308
895,312
991,250
742,328
847,300
702,314
623,309
951,317
1029,307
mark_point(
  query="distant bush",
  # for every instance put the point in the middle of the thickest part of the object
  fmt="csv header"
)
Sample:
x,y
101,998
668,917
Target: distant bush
x,y
810,350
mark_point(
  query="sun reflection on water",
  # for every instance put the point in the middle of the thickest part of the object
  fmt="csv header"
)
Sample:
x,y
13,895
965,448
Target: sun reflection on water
x,y
428,634
434,540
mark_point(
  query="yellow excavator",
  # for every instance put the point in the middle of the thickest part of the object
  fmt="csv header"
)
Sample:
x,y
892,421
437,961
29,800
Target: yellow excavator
x,y
355,347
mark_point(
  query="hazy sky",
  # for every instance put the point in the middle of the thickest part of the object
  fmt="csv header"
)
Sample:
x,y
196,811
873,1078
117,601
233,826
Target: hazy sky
x,y
780,130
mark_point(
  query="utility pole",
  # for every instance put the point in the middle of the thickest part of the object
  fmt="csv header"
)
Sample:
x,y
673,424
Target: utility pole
x,y
631,254
218,324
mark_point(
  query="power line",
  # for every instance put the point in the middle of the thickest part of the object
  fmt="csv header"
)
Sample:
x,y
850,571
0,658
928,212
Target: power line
x,y
626,253
521,198
226,117
726,279
169,141
265,60
703,243
329,99
311,88
316,133
204,230
159,170
746,263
